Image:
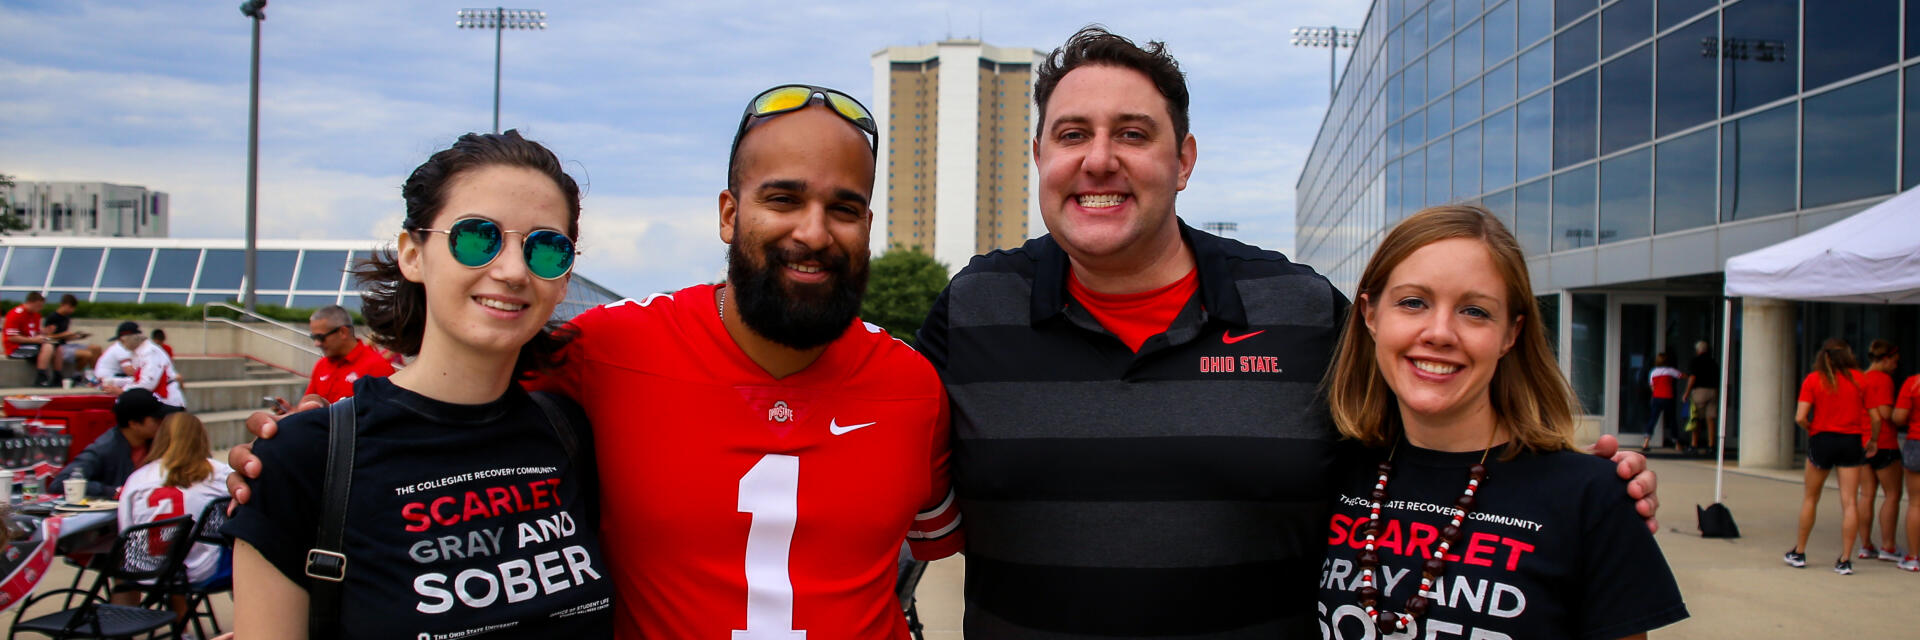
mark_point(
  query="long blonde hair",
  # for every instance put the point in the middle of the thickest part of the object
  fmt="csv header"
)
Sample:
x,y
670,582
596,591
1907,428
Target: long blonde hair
x,y
1531,399
182,450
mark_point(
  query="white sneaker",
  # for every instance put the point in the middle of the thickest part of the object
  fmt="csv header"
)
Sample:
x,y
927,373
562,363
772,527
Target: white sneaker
x,y
1910,563
1889,555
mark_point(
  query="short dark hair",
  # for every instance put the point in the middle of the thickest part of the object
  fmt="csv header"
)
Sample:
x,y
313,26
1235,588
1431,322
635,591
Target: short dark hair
x,y
1094,45
159,335
34,296
395,309
67,299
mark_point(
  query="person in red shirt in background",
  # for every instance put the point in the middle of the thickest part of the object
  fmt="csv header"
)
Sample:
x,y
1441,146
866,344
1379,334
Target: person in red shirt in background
x,y
1662,380
160,339
1833,409
344,357
1883,473
1902,414
22,338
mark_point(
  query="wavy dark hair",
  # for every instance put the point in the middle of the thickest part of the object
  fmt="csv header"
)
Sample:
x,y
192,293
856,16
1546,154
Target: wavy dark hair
x,y
395,308
1094,45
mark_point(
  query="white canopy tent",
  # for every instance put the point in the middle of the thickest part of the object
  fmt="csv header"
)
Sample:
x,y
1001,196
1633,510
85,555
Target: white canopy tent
x,y
1870,257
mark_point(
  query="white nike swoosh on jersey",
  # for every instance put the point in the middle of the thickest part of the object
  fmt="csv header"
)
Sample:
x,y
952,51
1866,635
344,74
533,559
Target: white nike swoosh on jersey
x,y
834,427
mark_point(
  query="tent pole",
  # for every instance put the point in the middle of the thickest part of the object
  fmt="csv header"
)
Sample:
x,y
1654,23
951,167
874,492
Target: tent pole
x,y
1726,385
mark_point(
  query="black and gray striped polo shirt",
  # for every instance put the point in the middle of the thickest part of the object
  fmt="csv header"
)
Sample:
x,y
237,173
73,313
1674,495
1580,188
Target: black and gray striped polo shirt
x,y
1178,492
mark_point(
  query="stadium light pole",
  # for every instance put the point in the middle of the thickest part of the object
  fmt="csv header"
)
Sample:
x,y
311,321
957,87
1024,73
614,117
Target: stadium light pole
x,y
256,10
499,19
1333,39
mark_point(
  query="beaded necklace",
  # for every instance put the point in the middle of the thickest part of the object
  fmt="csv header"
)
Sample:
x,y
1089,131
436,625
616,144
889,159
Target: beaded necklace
x,y
1387,622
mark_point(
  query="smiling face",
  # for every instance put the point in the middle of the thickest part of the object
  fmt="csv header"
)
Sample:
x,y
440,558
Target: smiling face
x,y
1110,166
797,264
496,308
1440,326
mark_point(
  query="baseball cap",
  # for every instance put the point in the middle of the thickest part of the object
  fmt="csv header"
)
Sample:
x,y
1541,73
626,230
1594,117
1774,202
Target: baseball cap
x,y
139,404
128,327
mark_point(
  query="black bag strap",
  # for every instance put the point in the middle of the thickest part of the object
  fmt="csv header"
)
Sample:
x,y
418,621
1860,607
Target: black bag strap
x,y
558,419
326,565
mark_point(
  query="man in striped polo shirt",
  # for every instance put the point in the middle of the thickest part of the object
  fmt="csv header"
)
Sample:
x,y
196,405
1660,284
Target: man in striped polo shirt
x,y
1140,447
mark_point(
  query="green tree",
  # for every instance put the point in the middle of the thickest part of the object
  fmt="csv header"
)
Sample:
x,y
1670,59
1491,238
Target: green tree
x,y
9,223
901,286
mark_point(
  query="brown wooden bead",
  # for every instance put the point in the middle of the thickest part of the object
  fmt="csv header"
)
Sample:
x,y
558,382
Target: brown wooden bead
x,y
1433,567
1387,621
1450,534
1417,606
1379,495
1386,468
1369,558
1368,594
1465,502
1477,472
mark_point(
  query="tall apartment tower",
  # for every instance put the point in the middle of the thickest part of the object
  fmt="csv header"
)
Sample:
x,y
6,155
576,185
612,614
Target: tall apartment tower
x,y
956,123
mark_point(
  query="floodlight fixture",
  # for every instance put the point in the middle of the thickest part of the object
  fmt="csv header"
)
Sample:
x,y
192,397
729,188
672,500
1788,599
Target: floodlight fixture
x,y
1333,39
499,19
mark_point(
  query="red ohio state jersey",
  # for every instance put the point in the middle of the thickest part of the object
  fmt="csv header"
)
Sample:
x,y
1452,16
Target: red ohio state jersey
x,y
737,506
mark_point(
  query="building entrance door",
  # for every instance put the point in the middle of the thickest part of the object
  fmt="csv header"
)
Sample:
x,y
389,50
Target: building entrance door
x,y
1637,336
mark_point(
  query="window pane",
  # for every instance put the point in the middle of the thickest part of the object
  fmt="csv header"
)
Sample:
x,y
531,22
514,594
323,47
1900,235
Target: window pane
x,y
173,269
1576,48
1573,209
1466,163
1626,196
1761,36
1846,40
1413,185
1626,100
276,269
126,268
28,267
1466,104
1440,18
1683,183
1536,20
1416,81
1756,163
1438,120
206,297
1625,24
77,267
1439,70
1685,87
1912,146
223,269
1500,204
322,270
351,302
177,298
1499,87
1674,12
1533,208
1535,136
1439,179
1417,33
1565,11
1575,120
1393,141
1416,129
1499,150
1393,202
312,302
1536,68
1466,54
1499,32
1589,324
1396,49
1395,105
1849,142
117,296
1913,28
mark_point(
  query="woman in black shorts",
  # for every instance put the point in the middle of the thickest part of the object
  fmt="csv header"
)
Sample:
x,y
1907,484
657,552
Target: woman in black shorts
x,y
1833,409
473,505
1883,467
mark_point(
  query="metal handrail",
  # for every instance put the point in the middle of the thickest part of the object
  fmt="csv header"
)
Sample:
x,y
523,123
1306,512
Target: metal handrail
x,y
207,317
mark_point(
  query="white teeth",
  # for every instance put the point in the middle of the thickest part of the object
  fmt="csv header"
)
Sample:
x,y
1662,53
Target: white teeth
x,y
1102,201
496,304
1435,367
804,268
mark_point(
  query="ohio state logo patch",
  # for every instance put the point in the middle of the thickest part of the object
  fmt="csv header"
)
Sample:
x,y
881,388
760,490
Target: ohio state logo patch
x,y
780,413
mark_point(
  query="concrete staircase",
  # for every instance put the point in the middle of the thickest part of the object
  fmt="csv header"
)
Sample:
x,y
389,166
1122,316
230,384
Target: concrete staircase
x,y
221,390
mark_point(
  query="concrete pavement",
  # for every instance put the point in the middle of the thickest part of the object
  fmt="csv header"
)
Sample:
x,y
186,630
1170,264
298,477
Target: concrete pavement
x,y
1734,588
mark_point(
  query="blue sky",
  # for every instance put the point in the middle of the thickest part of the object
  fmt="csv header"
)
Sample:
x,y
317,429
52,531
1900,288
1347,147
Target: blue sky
x,y
639,99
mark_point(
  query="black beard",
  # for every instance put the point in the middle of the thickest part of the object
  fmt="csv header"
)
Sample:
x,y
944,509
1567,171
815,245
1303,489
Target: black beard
x,y
797,320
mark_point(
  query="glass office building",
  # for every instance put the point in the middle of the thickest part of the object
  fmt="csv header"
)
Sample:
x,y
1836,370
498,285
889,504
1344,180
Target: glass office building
x,y
1632,146
293,273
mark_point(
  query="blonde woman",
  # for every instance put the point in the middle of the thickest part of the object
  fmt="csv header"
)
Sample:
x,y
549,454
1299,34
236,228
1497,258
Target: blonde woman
x,y
1463,506
180,479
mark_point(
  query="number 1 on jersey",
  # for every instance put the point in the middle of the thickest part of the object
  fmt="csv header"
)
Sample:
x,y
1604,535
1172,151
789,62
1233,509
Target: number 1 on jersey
x,y
771,493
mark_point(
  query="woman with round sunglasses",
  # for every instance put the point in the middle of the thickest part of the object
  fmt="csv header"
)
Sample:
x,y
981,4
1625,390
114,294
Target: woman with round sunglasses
x,y
471,506
1462,508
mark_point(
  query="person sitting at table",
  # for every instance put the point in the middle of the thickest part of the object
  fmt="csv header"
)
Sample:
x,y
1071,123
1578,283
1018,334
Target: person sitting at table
x,y
115,454
134,362
181,480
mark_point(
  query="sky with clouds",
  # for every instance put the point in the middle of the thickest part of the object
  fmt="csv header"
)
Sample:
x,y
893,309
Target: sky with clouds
x,y
639,99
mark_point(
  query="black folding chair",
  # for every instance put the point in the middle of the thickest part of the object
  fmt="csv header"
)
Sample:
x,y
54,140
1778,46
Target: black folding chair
x,y
152,551
909,580
200,596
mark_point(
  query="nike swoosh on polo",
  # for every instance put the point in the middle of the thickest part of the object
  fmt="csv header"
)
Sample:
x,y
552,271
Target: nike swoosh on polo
x,y
1230,338
834,427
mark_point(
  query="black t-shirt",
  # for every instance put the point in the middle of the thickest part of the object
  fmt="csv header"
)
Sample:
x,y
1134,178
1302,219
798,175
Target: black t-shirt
x,y
1705,372
465,520
52,323
1554,549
